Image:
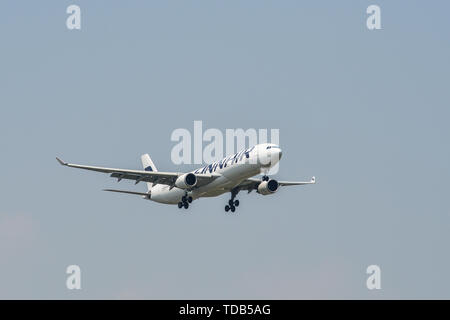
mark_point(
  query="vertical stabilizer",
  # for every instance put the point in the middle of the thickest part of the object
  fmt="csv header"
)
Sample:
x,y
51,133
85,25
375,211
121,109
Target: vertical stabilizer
x,y
148,165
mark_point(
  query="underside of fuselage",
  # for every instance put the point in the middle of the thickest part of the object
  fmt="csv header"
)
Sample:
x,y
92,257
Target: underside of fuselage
x,y
225,183
173,196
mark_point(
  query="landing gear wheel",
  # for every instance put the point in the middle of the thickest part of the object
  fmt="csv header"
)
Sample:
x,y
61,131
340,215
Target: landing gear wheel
x,y
180,205
189,199
265,178
232,204
186,205
183,199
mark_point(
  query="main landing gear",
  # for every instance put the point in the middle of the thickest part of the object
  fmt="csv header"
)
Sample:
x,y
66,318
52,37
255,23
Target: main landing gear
x,y
232,204
185,200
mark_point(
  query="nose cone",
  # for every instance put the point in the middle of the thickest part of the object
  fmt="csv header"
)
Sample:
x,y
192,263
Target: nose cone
x,y
275,155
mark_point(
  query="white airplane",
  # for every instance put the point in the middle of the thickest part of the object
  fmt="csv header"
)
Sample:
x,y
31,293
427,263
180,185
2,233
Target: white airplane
x,y
231,174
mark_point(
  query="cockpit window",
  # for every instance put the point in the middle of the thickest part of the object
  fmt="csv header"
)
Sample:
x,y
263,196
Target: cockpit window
x,y
272,147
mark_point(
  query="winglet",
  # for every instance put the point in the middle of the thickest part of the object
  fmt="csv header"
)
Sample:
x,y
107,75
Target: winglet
x,y
61,162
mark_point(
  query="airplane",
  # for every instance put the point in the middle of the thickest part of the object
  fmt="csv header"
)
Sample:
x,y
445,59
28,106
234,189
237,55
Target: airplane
x,y
231,174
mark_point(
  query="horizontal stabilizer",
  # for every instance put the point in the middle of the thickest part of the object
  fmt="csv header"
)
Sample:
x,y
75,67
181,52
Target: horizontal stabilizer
x,y
297,183
145,194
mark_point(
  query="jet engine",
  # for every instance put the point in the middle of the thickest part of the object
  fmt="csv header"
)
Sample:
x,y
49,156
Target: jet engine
x,y
268,187
186,181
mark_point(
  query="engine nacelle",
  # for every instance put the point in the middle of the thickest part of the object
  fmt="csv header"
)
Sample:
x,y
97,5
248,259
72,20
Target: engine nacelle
x,y
268,187
186,181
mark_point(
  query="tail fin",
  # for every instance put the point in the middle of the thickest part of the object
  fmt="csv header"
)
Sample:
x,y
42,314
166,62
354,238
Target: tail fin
x,y
148,165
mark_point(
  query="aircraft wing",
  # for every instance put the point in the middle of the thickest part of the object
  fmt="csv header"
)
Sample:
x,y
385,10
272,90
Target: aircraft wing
x,y
252,183
167,178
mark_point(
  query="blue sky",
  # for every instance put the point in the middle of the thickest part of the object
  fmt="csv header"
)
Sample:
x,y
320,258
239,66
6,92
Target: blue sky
x,y
366,112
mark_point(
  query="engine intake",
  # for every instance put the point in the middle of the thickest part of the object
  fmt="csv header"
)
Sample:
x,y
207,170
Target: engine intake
x,y
268,187
186,181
